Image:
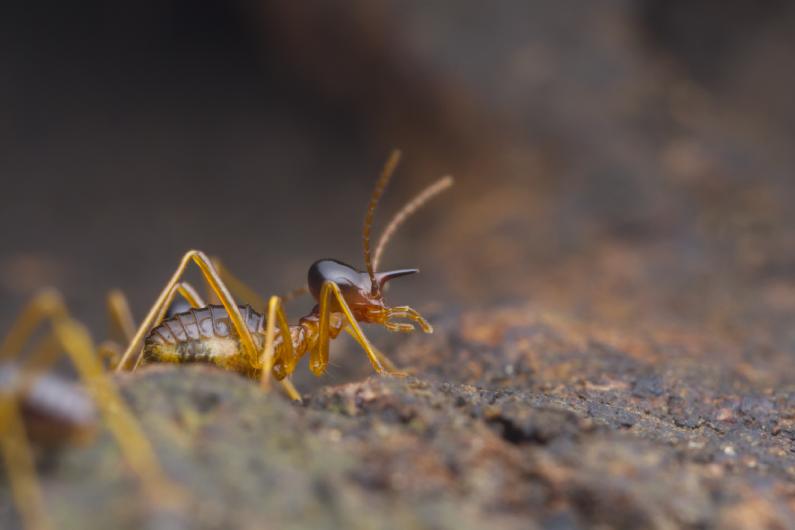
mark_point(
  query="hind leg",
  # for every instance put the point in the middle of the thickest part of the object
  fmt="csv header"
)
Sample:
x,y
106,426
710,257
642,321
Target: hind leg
x,y
16,451
132,355
239,288
47,305
243,292
122,322
135,447
20,467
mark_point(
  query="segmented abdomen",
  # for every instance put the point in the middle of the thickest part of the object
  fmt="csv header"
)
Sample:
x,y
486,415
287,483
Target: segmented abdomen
x,y
204,334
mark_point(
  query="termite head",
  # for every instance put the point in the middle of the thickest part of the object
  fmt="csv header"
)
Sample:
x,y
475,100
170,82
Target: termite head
x,y
363,291
364,297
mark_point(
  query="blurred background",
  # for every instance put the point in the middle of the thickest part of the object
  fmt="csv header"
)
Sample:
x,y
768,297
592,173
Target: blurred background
x,y
625,161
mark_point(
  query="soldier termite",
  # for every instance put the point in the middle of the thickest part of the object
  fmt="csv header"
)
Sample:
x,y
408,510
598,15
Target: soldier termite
x,y
239,338
42,408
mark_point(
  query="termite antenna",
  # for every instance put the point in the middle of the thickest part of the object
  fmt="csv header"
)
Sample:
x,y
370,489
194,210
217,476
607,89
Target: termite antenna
x,y
386,174
407,211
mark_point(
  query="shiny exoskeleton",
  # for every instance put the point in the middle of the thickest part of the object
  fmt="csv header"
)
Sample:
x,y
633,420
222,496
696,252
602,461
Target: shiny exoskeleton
x,y
206,334
263,344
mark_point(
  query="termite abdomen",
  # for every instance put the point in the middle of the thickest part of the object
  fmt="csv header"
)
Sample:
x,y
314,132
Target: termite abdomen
x,y
203,335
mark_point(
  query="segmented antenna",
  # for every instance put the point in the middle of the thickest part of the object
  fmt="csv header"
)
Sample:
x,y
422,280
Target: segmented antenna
x,y
386,174
407,211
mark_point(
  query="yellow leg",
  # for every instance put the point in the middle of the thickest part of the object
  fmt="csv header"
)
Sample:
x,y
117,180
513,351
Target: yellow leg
x,y
16,450
20,467
389,365
318,360
17,453
70,337
190,294
122,320
187,291
109,353
276,317
137,451
242,291
239,288
403,311
132,354
47,305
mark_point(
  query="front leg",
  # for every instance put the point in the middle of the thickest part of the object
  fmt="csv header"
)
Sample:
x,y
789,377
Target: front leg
x,y
119,419
318,360
385,361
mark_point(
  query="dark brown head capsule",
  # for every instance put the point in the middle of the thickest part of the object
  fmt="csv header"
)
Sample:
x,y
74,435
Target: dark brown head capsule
x,y
357,289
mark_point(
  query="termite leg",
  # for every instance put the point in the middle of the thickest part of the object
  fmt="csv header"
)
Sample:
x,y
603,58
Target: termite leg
x,y
20,467
109,353
72,338
243,292
137,451
318,360
405,311
187,292
46,305
389,365
238,287
122,320
275,307
276,317
16,451
133,353
132,356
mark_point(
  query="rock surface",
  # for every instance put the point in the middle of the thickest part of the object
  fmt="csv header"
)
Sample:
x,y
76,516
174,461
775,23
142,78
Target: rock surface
x,y
514,418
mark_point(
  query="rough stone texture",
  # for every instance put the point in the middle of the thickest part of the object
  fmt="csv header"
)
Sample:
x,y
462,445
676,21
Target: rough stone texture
x,y
516,418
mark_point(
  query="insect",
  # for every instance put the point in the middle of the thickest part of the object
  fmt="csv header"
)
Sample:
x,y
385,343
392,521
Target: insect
x,y
261,345
37,407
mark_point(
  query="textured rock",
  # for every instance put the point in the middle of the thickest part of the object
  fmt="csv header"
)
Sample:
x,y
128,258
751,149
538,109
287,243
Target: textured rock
x,y
518,421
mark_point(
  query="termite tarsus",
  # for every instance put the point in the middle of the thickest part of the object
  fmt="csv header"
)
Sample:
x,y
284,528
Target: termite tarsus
x,y
37,407
238,338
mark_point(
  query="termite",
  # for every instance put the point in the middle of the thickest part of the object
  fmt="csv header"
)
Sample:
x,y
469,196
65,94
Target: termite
x,y
41,408
263,344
